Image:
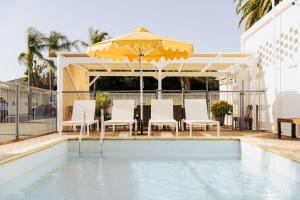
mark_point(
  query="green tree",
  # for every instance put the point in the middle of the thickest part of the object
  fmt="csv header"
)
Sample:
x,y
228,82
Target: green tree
x,y
35,45
55,43
39,78
59,42
95,36
253,10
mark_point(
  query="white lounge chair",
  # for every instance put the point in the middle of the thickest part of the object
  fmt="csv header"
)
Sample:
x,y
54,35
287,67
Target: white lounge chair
x,y
122,114
196,114
162,114
83,114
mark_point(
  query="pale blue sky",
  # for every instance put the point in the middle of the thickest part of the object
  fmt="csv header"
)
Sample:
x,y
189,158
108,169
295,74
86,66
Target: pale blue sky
x,y
211,25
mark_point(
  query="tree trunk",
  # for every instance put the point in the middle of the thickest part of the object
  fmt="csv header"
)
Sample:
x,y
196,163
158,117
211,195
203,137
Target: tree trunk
x,y
29,69
185,83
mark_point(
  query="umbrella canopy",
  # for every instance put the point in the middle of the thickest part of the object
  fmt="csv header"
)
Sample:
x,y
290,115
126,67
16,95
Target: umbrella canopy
x,y
139,43
138,46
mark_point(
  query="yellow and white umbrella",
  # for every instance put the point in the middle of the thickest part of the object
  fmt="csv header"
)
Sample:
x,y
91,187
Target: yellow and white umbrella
x,y
140,45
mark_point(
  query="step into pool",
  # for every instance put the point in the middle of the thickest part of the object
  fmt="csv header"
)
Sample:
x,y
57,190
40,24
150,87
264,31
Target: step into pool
x,y
146,169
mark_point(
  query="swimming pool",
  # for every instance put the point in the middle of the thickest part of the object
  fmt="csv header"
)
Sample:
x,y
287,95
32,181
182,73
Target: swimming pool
x,y
148,174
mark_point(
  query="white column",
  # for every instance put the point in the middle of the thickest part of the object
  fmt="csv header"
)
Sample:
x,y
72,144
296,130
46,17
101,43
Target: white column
x,y
159,84
60,82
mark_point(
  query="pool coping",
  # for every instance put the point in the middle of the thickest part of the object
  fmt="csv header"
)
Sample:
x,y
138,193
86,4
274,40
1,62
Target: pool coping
x,y
75,138
270,150
30,152
157,138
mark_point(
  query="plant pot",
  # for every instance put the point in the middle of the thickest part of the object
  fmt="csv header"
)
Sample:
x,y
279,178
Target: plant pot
x,y
221,119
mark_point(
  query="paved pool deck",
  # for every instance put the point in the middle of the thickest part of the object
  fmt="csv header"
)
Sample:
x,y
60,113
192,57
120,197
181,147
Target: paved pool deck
x,y
286,147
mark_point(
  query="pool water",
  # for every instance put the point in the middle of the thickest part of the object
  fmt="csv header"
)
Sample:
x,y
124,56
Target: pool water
x,y
92,177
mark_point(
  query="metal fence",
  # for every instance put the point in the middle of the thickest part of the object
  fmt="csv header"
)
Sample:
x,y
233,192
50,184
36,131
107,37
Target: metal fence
x,y
248,107
25,112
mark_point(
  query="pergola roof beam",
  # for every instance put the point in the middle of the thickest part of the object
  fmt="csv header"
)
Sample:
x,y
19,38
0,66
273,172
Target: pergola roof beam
x,y
192,60
206,67
129,73
107,68
180,67
94,80
130,67
163,74
81,67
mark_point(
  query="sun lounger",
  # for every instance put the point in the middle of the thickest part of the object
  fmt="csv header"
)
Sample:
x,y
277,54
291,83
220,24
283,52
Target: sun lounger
x,y
122,114
196,114
162,114
83,114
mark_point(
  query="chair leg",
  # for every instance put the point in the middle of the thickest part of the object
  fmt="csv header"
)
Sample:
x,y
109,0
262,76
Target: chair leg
x,y
113,128
149,128
176,129
130,129
135,126
191,129
97,126
181,125
88,129
60,130
205,127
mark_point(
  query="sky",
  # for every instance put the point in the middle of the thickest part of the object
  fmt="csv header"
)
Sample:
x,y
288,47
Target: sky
x,y
211,25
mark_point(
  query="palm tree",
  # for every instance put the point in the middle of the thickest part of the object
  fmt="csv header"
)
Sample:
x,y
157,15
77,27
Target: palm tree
x,y
253,10
54,43
59,42
95,36
35,45
39,79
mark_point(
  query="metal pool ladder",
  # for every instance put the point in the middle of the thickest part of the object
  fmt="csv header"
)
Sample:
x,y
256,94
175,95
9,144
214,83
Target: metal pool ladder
x,y
82,130
102,132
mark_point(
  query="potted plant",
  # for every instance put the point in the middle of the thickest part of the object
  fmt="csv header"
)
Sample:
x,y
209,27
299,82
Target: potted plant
x,y
219,109
102,102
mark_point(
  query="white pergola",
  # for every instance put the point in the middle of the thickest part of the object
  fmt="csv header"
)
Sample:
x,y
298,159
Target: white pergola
x,y
75,70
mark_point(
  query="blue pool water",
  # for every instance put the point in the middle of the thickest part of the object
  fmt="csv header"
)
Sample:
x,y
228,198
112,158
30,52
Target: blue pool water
x,y
93,177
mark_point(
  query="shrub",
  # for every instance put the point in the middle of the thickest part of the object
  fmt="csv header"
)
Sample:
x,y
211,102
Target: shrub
x,y
219,109
102,101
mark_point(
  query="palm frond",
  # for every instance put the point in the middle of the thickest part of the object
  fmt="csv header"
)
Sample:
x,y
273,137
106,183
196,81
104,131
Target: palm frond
x,y
59,42
84,44
23,58
95,35
50,64
252,11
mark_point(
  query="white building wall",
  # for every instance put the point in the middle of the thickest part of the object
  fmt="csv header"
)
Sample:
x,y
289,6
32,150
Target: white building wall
x,y
280,63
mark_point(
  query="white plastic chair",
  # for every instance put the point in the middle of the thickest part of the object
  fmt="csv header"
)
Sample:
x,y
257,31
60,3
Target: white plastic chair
x,y
162,114
196,114
122,114
83,114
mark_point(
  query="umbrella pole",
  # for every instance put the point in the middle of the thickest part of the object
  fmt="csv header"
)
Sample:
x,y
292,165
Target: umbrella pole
x,y
141,94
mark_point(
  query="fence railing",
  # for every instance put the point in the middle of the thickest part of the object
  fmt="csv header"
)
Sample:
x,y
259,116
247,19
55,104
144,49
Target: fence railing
x,y
26,112
248,107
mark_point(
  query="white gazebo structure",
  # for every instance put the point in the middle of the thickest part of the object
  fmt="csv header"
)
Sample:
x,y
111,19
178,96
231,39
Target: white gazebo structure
x,y
77,71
